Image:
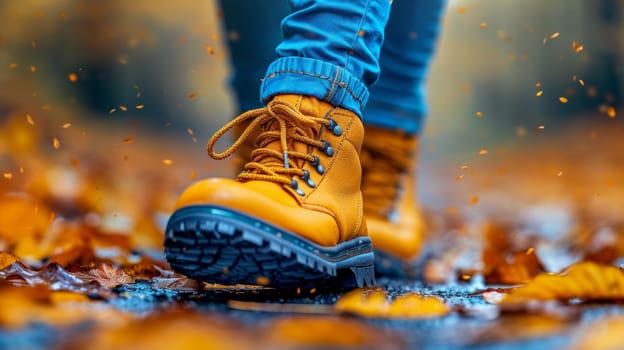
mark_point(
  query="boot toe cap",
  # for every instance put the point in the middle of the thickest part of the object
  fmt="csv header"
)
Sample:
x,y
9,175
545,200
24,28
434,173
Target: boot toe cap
x,y
265,201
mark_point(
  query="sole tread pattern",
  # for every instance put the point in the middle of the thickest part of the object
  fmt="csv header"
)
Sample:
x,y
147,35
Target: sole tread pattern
x,y
203,243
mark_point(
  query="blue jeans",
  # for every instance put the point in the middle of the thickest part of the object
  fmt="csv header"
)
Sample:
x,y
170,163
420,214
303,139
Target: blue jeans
x,y
333,50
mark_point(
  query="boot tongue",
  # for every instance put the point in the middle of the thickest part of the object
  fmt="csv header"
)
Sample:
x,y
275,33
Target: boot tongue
x,y
309,106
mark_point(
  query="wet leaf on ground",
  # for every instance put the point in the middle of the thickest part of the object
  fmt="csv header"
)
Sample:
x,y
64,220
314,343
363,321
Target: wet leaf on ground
x,y
585,281
375,303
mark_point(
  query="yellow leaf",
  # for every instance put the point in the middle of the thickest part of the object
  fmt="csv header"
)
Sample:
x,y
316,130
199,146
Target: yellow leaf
x,y
585,280
374,303
320,332
6,259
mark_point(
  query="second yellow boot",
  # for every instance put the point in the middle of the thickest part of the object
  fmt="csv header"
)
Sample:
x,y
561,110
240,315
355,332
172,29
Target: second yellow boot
x,y
293,217
395,220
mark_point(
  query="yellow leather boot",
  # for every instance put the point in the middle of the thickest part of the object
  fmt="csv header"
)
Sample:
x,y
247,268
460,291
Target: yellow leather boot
x,y
394,218
293,217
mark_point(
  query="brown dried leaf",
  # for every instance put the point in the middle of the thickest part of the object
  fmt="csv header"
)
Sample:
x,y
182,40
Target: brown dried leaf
x,y
209,49
78,253
520,268
107,275
175,283
577,47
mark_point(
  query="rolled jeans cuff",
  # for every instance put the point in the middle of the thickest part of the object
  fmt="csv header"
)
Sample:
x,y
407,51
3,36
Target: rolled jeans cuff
x,y
312,77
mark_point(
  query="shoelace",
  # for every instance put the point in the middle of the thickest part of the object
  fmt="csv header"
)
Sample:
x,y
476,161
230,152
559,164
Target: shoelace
x,y
384,163
278,121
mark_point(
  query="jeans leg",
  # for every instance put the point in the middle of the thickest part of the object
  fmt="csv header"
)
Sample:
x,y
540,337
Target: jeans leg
x,y
330,51
252,29
398,99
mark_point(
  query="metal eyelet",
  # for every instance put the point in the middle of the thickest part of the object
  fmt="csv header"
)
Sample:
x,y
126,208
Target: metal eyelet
x,y
334,127
316,163
329,150
320,169
306,177
295,186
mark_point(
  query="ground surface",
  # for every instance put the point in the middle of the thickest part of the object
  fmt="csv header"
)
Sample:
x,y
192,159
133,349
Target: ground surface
x,y
82,262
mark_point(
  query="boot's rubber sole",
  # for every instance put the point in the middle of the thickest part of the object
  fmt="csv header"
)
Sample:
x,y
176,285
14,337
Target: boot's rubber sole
x,y
219,245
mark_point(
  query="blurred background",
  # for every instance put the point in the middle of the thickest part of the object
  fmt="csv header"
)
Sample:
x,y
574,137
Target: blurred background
x,y
170,59
136,89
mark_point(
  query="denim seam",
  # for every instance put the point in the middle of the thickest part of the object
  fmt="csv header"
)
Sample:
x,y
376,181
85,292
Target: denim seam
x,y
332,90
356,33
342,84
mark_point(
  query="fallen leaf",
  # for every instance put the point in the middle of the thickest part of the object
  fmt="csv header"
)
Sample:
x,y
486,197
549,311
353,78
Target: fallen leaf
x,y
29,119
107,275
305,332
586,281
577,47
374,303
7,259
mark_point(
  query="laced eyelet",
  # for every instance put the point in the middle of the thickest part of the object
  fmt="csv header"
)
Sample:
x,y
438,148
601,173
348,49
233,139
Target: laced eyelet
x,y
334,127
320,169
329,150
306,177
316,163
295,186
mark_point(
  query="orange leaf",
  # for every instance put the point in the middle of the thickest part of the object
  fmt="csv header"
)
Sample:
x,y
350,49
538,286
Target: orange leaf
x,y
320,332
107,275
374,303
585,280
6,259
